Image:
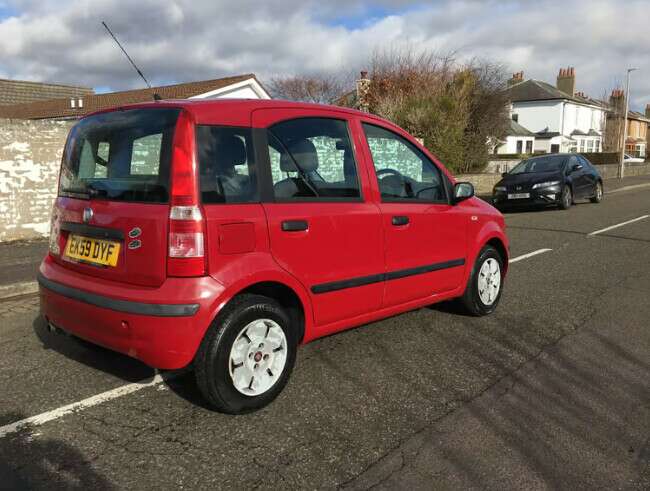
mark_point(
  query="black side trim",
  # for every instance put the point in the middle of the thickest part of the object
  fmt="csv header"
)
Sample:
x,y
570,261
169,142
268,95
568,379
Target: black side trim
x,y
403,273
92,231
153,309
351,283
392,275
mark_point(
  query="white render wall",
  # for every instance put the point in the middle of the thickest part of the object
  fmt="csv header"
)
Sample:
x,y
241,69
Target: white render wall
x,y
583,118
510,145
538,115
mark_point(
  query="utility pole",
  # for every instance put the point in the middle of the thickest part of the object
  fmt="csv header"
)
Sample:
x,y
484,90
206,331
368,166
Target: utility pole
x,y
621,169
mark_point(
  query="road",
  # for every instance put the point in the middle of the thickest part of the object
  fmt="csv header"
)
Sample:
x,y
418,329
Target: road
x,y
552,391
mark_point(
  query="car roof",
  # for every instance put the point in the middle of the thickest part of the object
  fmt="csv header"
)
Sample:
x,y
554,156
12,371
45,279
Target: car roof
x,y
236,111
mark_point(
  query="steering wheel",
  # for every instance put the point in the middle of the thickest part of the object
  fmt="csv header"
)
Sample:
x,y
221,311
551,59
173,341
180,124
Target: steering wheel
x,y
388,170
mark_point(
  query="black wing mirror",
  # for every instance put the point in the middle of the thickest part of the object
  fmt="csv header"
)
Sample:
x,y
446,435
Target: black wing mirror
x,y
463,191
576,167
504,174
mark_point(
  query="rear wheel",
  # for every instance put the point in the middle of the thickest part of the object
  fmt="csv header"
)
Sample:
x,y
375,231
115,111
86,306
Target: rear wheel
x,y
566,199
485,284
598,194
247,355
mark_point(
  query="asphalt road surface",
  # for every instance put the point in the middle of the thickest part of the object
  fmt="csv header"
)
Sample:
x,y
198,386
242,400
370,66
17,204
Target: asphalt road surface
x,y
552,391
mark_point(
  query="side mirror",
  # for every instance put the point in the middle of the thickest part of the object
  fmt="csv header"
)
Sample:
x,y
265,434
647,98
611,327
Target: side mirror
x,y
576,167
504,174
463,191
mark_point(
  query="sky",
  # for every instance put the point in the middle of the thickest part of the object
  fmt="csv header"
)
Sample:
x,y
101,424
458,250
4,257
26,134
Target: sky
x,y
185,40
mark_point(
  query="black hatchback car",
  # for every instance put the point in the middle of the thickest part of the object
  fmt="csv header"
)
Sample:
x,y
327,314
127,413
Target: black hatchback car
x,y
555,179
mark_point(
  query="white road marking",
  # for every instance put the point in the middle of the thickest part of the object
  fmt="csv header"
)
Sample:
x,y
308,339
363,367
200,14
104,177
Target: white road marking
x,y
95,400
618,225
530,254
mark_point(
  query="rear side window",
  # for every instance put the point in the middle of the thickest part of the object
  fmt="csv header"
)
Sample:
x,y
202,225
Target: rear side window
x,y
120,156
312,158
226,165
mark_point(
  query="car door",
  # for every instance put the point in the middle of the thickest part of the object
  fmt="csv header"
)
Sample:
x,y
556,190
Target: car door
x,y
590,177
321,228
578,176
425,235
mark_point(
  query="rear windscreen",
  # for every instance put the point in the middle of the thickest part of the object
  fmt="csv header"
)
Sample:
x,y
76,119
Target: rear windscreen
x,y
120,156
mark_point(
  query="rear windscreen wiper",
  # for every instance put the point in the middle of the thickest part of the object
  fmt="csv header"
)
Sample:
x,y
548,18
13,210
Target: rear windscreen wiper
x,y
87,191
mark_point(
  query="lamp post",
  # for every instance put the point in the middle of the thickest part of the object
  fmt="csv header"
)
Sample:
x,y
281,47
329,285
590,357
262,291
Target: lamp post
x,y
621,170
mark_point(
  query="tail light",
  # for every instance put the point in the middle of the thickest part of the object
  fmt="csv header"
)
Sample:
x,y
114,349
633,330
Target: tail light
x,y
186,249
55,231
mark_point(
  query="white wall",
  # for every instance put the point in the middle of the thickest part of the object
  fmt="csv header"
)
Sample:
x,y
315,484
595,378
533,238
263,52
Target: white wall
x,y
537,115
510,146
583,118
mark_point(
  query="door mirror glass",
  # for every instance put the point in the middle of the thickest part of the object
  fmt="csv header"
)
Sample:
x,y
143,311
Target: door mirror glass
x,y
463,191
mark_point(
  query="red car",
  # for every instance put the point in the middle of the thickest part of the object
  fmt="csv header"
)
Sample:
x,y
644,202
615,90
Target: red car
x,y
223,234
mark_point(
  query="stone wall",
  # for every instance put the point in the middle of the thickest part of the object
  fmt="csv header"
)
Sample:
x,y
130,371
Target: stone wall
x,y
30,156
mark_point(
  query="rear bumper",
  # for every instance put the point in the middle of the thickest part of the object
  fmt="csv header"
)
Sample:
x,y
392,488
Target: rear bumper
x,y
162,326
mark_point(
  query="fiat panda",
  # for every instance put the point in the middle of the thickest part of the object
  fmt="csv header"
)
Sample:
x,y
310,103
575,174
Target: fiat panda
x,y
221,235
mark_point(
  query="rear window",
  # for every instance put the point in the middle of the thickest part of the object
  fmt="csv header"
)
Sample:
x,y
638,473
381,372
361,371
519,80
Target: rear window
x,y
120,156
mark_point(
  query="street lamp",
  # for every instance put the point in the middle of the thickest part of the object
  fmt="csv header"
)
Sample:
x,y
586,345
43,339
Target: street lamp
x,y
621,170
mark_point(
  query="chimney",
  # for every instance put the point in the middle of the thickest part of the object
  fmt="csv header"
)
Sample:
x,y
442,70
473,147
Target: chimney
x,y
566,80
516,78
363,89
647,111
617,100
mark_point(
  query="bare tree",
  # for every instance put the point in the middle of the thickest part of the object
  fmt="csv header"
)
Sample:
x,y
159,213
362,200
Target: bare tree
x,y
321,88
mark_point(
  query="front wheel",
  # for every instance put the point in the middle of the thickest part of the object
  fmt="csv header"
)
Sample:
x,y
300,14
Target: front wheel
x,y
598,195
566,199
485,284
247,355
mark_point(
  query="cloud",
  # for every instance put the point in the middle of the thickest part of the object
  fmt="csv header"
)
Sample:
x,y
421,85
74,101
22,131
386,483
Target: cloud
x,y
182,40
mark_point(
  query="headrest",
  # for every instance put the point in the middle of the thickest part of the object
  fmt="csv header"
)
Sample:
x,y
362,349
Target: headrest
x,y
229,152
305,154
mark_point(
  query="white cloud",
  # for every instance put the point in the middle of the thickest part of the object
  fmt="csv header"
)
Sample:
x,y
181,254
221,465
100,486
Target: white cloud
x,y
181,40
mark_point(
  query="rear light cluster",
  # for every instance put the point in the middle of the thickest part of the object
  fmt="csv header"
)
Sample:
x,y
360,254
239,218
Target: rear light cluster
x,y
186,253
55,231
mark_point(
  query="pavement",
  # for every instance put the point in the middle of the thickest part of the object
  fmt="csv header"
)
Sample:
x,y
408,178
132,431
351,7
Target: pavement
x,y
551,391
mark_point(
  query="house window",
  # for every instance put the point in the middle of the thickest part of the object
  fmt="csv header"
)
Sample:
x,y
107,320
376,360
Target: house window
x,y
597,146
529,146
590,145
582,145
520,144
555,148
515,117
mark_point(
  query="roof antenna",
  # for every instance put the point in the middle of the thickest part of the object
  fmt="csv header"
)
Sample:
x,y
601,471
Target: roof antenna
x,y
156,97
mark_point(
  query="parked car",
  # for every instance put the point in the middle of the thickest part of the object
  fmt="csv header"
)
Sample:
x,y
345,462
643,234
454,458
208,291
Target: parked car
x,y
629,159
555,179
223,234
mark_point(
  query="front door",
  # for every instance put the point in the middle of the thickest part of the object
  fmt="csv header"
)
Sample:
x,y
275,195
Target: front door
x,y
321,230
425,235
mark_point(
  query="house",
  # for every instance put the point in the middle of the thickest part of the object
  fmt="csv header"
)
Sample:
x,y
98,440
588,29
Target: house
x,y
22,91
562,119
636,143
241,87
518,140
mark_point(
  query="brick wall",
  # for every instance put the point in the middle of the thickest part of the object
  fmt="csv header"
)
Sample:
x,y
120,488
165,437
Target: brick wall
x,y
30,156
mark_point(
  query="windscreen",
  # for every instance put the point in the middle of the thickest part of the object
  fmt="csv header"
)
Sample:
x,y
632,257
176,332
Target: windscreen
x,y
120,156
539,164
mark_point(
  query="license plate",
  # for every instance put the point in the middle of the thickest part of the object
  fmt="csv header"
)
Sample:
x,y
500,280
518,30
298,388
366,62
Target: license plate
x,y
96,251
519,196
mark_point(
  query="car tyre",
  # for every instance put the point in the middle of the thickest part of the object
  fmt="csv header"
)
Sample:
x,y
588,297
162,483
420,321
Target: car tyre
x,y
566,198
232,351
487,272
598,195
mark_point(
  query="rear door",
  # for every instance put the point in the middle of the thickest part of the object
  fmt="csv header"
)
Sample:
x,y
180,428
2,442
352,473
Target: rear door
x,y
425,235
112,209
321,228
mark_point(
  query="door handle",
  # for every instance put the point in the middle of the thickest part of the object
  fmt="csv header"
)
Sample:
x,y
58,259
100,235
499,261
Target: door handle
x,y
400,220
294,225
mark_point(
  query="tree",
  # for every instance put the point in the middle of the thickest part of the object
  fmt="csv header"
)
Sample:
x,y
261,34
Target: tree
x,y
322,88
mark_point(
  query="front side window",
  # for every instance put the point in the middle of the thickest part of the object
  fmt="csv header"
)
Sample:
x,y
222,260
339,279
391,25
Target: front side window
x,y
520,146
403,171
312,158
226,164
